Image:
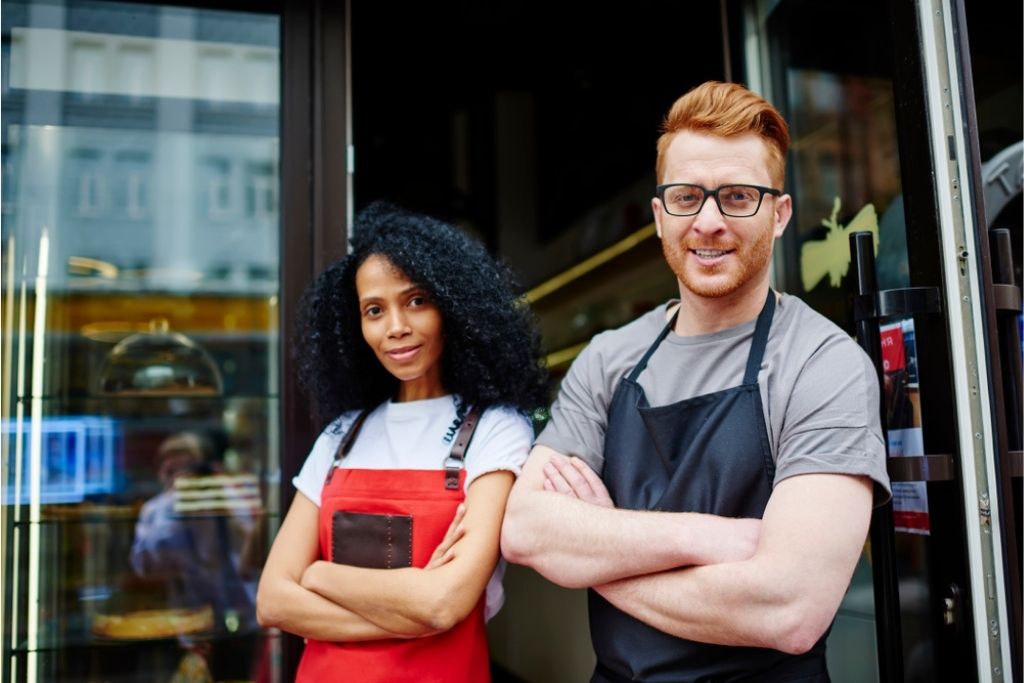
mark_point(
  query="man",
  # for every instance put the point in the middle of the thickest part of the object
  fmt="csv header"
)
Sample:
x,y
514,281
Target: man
x,y
736,436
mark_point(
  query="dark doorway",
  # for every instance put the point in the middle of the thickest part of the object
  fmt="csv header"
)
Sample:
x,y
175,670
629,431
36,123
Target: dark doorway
x,y
431,84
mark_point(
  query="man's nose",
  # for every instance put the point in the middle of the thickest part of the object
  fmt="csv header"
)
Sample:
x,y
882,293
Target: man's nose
x,y
709,218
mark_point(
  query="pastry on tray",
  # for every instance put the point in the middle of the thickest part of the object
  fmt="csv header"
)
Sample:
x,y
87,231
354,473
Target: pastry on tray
x,y
154,623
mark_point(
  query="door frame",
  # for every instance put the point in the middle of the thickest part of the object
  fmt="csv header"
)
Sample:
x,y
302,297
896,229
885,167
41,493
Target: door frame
x,y
315,205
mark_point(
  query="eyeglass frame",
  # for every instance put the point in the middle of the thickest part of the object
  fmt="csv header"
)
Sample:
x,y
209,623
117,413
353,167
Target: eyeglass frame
x,y
659,192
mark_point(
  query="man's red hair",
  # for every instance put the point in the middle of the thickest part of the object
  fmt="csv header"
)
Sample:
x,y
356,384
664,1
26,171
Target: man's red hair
x,y
728,109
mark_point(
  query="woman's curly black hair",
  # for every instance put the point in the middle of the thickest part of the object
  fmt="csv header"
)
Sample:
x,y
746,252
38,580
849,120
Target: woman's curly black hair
x,y
491,345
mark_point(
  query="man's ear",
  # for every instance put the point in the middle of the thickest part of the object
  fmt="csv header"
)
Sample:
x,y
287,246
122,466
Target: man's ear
x,y
783,212
656,208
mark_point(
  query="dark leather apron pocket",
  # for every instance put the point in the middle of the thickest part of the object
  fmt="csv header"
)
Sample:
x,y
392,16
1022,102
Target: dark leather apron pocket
x,y
374,541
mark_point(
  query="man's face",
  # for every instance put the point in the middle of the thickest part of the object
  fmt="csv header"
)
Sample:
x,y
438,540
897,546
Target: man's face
x,y
713,255
175,464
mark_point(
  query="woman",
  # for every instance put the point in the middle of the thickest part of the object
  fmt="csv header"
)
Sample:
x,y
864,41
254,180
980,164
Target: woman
x,y
414,344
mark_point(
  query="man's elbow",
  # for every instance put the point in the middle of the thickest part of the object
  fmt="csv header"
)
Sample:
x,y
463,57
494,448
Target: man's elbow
x,y
797,641
521,545
516,545
800,628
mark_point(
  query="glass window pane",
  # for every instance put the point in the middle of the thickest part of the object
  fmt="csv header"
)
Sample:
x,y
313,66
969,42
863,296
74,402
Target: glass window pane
x,y
140,225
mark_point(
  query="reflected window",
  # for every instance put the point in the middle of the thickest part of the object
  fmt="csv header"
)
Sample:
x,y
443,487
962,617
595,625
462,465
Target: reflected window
x,y
215,79
261,191
261,77
87,174
9,182
215,175
136,70
88,67
131,176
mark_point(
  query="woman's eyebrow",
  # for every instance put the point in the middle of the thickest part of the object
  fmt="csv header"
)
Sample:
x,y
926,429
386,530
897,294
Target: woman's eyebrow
x,y
408,290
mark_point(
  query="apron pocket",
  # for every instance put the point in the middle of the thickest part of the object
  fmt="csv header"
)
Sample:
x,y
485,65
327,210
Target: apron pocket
x,y
374,541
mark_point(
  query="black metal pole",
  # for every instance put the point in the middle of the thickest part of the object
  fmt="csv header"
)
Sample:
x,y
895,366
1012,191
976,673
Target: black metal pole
x,y
888,629
1002,274
1003,277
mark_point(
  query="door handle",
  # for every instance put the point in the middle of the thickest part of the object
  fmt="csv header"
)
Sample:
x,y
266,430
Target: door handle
x,y
952,608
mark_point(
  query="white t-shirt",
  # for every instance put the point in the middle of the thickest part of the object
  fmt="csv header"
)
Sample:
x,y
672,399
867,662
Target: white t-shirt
x,y
418,435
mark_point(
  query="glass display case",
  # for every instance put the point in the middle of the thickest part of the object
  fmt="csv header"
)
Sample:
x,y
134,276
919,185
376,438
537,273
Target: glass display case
x,y
140,150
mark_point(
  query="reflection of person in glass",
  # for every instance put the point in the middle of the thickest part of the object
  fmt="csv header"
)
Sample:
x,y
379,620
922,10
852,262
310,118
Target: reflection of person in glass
x,y
159,541
387,561
728,444
196,552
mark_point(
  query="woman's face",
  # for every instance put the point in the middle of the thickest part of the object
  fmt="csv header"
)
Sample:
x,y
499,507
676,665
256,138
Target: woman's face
x,y
402,326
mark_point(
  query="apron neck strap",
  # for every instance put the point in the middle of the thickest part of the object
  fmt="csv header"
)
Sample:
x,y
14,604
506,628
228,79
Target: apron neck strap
x,y
757,347
657,342
346,442
454,462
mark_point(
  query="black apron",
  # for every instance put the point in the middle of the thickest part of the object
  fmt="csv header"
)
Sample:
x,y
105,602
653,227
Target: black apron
x,y
705,454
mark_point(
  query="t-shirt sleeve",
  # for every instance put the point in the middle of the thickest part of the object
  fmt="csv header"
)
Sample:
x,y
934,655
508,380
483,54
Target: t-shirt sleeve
x,y
310,479
579,416
501,442
832,423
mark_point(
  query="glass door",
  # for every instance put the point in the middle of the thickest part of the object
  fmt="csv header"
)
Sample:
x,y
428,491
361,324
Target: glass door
x,y
876,150
140,218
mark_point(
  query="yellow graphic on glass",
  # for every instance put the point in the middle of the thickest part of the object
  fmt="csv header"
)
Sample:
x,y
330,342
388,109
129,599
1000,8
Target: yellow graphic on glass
x,y
831,256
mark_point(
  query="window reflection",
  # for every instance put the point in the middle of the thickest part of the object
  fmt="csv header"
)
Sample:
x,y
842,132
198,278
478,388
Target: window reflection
x,y
140,174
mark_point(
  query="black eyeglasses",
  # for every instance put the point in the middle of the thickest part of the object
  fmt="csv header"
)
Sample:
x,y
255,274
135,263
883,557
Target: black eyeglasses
x,y
737,201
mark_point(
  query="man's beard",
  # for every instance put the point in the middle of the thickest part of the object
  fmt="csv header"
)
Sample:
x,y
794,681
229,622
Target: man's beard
x,y
748,260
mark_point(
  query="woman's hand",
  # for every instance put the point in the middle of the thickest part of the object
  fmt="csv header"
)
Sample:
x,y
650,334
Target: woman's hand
x,y
413,602
284,599
444,551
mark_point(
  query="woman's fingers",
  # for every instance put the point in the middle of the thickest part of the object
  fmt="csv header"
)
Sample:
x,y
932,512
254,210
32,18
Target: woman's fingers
x,y
444,552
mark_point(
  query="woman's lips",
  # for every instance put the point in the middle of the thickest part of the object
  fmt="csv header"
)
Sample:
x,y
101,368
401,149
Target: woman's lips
x,y
403,354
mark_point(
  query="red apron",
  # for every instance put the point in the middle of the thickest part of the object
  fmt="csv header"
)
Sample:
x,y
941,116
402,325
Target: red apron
x,y
430,497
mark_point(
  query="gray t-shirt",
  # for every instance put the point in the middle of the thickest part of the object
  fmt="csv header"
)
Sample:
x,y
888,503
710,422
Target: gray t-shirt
x,y
819,390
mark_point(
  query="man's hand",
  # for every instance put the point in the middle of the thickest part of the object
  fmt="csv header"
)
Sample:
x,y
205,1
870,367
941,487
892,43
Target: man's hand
x,y
562,522
785,596
444,552
728,539
573,477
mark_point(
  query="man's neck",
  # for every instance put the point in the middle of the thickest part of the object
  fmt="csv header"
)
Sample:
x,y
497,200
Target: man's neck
x,y
705,315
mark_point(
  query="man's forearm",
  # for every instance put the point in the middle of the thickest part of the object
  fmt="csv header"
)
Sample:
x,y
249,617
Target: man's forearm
x,y
576,544
741,603
786,594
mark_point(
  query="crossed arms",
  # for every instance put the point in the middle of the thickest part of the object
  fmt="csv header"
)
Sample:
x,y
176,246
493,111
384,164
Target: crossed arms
x,y
312,598
775,582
